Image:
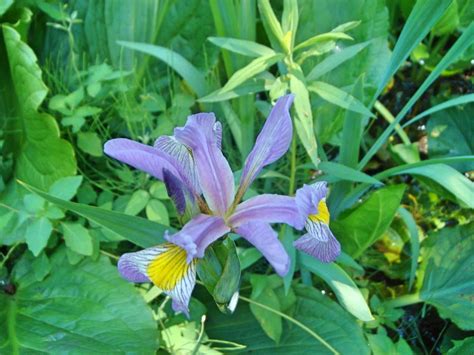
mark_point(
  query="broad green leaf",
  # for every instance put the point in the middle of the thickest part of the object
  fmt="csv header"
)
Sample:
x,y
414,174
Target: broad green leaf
x,y
137,230
358,228
313,310
343,172
137,202
304,116
219,270
4,5
448,22
158,190
250,70
77,238
334,60
37,234
90,143
156,211
66,188
248,257
86,308
462,347
263,293
240,46
41,156
33,203
345,289
450,133
338,97
381,344
184,68
447,283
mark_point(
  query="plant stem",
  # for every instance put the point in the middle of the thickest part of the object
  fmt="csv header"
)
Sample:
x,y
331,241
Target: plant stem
x,y
404,300
389,118
292,320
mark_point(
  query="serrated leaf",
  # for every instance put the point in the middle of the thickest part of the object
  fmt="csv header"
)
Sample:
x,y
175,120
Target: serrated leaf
x,y
37,234
77,238
66,188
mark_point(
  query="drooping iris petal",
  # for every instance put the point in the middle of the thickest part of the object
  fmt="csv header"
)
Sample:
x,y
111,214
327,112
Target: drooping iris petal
x,y
272,142
214,173
182,156
309,196
166,266
270,209
265,239
142,157
198,234
319,242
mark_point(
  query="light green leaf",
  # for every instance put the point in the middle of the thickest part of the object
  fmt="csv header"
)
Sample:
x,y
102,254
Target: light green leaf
x,y
240,46
263,293
329,36
271,25
334,60
77,238
339,97
313,310
90,143
304,116
250,70
66,188
37,234
359,228
138,230
345,289
184,68
158,190
42,157
4,5
33,203
137,202
462,347
156,211
447,283
343,172
86,308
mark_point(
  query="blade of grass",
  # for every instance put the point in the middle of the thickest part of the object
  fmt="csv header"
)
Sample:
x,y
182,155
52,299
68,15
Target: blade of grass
x,y
346,173
240,46
463,42
414,243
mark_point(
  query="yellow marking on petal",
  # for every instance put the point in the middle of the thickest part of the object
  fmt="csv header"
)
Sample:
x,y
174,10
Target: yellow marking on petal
x,y
323,213
168,268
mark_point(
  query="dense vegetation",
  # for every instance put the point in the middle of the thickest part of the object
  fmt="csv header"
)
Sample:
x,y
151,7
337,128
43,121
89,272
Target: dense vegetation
x,y
383,112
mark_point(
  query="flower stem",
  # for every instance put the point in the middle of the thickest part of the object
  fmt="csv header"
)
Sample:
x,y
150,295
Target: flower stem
x,y
292,166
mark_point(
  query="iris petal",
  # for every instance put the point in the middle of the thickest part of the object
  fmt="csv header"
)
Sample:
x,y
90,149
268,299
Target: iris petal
x,y
319,242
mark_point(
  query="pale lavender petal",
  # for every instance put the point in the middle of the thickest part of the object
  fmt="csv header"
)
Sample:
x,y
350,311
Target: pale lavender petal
x,y
218,133
272,142
308,197
183,157
133,266
265,239
214,173
198,234
319,242
270,209
141,156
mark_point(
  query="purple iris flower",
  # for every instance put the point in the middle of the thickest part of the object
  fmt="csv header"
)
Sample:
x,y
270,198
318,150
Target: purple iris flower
x,y
200,182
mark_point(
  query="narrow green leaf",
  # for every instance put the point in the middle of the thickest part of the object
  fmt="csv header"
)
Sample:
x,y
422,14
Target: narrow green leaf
x,y
249,87
176,61
334,60
346,173
414,243
459,47
240,46
137,230
289,21
325,37
271,25
345,289
339,97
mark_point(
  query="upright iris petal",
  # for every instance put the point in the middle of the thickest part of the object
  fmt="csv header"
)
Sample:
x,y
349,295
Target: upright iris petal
x,y
213,170
319,241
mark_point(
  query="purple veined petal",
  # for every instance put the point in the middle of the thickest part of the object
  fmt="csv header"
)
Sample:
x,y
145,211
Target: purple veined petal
x,y
218,133
198,234
178,192
319,242
142,157
182,156
166,266
214,173
270,209
272,142
308,197
265,239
